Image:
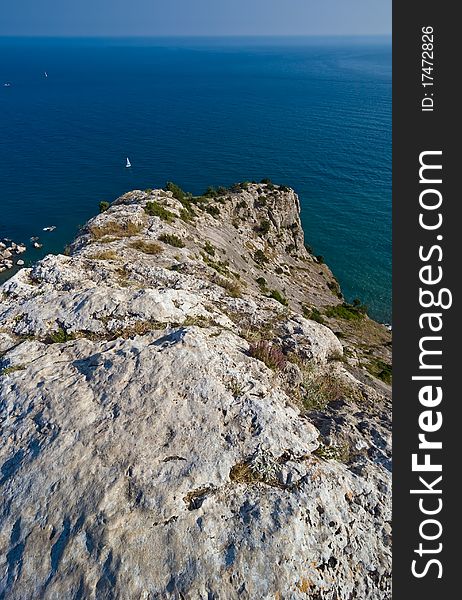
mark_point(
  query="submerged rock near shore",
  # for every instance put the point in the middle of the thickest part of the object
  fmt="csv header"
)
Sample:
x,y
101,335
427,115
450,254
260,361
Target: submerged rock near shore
x,y
190,409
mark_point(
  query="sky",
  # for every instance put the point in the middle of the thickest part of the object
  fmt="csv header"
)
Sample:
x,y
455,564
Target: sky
x,y
194,17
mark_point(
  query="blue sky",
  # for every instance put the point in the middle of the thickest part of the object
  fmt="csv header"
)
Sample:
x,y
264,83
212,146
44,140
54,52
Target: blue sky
x,y
194,17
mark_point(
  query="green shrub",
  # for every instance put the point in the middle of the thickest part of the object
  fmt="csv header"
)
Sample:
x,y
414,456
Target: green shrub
x,y
260,257
261,282
209,248
265,226
266,181
334,287
186,216
313,314
103,206
346,311
279,270
172,240
212,210
221,267
154,209
262,200
60,336
278,296
177,192
380,369
211,192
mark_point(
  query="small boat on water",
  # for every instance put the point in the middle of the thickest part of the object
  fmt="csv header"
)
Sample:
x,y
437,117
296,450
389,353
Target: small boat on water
x,y
7,84
46,74
129,164
49,228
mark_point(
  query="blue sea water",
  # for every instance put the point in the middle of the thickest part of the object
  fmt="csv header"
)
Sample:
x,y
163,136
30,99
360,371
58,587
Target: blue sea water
x,y
312,113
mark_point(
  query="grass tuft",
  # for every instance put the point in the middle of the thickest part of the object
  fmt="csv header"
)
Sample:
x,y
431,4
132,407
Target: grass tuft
x,y
146,247
270,354
172,240
115,229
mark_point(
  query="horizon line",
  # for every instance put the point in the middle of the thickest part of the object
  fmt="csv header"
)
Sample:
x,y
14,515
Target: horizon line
x,y
195,35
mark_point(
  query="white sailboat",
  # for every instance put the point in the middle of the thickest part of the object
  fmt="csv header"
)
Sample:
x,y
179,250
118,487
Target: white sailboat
x,y
46,74
129,164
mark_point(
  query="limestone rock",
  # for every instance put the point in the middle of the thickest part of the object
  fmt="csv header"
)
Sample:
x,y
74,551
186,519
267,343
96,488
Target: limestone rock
x,y
150,450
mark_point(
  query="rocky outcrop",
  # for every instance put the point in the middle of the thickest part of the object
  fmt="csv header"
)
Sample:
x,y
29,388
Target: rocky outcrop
x,y
9,251
186,413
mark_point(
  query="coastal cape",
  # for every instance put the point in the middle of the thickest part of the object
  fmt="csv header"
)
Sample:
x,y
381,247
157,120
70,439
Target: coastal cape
x,y
190,409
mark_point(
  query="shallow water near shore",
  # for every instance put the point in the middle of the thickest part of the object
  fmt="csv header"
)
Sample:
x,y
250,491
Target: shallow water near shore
x,y
314,114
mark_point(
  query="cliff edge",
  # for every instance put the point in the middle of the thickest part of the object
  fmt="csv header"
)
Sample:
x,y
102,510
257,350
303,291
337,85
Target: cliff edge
x,y
190,409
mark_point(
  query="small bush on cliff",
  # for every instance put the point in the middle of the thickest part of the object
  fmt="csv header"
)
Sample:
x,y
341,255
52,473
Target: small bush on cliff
x,y
349,312
260,257
115,229
313,314
262,283
271,355
209,248
103,206
264,227
59,336
212,210
212,192
380,369
334,287
154,209
232,287
340,453
321,389
278,296
147,247
172,240
177,192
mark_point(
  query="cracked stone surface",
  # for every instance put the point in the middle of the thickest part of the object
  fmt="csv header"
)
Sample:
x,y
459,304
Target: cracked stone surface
x,y
148,452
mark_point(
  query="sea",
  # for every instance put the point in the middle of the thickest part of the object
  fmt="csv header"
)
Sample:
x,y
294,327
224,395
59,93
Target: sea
x,y
312,113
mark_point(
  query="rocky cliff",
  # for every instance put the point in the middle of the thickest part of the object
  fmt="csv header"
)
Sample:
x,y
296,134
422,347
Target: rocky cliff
x,y
190,410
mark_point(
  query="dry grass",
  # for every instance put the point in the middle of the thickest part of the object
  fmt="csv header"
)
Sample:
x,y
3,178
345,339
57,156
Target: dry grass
x,y
232,287
270,354
104,255
115,230
323,387
146,247
139,328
